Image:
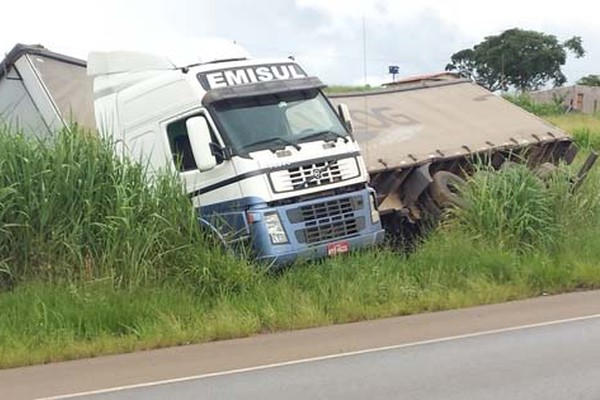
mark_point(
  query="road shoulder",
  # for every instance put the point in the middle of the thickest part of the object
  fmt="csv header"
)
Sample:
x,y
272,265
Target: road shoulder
x,y
178,362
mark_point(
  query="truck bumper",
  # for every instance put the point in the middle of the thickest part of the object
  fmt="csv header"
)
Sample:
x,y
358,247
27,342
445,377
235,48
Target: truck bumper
x,y
322,250
316,228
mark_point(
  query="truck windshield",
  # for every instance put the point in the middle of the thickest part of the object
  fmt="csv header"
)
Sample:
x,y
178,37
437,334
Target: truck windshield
x,y
274,121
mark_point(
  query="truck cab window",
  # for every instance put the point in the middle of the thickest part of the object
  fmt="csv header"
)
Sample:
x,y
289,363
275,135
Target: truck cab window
x,y
181,149
266,121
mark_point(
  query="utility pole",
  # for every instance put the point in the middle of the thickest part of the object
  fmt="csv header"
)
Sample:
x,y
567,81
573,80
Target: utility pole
x,y
502,78
364,34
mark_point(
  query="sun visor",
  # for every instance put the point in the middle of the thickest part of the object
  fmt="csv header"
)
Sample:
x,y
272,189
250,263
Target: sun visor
x,y
262,88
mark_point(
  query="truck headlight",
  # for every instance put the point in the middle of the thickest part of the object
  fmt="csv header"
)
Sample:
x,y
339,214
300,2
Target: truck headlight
x,y
374,212
275,228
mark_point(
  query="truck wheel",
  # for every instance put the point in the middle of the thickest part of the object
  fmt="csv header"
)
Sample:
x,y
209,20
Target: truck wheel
x,y
508,164
545,170
445,189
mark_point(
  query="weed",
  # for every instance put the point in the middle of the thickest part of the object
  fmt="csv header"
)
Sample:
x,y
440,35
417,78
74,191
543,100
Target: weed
x,y
71,211
106,260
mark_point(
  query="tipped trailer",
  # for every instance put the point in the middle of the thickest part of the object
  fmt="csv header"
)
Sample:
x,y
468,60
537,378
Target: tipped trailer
x,y
41,92
420,141
266,159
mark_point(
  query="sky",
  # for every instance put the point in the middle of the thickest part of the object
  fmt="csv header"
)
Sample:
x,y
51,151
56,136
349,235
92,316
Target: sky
x,y
341,41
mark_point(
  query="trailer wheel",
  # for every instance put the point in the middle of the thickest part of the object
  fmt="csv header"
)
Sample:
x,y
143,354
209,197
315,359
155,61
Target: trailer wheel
x,y
445,189
507,165
545,170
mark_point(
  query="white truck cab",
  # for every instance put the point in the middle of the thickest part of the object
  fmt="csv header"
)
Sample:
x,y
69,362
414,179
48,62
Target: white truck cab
x,y
265,158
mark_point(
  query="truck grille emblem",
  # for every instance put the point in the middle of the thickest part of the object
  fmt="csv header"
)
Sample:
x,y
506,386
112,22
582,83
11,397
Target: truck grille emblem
x,y
317,173
314,174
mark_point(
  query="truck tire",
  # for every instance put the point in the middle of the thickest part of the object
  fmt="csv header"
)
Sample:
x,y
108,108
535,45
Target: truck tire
x,y
508,164
445,189
545,170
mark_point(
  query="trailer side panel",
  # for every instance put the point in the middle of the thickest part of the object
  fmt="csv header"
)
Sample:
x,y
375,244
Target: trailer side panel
x,y
401,128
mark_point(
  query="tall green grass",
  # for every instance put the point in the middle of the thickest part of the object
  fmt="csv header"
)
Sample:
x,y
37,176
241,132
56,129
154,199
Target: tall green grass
x,y
42,322
525,101
71,211
103,259
585,128
514,208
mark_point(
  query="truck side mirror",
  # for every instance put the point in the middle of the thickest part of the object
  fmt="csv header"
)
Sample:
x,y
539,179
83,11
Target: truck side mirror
x,y
345,115
200,140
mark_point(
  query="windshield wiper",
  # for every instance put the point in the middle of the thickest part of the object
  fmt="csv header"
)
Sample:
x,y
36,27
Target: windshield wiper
x,y
326,133
275,140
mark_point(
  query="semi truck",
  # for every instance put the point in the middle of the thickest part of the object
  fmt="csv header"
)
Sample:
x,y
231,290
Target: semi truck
x,y
266,160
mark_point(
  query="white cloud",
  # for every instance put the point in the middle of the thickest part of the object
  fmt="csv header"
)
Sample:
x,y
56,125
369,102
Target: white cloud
x,y
326,36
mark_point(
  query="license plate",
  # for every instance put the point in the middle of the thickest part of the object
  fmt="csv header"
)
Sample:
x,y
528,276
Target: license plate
x,y
338,248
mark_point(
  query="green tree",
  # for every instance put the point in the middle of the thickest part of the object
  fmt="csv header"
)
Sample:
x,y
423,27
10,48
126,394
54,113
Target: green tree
x,y
589,80
519,58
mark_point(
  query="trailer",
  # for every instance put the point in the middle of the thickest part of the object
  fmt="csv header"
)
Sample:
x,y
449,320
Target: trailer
x,y
41,91
421,139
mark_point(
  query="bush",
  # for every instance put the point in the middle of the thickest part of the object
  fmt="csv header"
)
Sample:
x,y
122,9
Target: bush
x,y
585,128
71,211
513,208
586,138
543,109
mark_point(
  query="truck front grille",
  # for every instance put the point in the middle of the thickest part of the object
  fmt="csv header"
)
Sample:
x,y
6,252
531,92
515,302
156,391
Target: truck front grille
x,y
314,174
328,220
334,230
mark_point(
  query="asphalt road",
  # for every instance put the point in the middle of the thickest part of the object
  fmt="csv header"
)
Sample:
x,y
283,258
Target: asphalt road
x,y
505,351
560,361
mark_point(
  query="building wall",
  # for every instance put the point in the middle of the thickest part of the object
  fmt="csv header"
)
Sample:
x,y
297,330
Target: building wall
x,y
581,98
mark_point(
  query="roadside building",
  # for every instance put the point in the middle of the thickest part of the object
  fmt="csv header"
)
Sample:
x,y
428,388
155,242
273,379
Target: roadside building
x,y
580,98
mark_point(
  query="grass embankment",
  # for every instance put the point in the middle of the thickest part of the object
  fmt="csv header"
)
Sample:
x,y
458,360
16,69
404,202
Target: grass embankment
x,y
95,260
585,128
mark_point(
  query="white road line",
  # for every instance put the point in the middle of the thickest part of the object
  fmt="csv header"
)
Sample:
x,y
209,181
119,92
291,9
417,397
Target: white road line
x,y
320,358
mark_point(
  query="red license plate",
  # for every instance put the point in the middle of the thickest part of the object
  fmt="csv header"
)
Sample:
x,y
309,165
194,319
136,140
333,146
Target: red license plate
x,y
338,248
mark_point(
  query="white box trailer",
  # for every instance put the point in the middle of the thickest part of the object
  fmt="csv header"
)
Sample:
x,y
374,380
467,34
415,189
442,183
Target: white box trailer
x,y
41,91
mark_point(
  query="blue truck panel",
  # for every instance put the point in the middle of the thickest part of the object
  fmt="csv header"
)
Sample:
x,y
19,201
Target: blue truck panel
x,y
313,227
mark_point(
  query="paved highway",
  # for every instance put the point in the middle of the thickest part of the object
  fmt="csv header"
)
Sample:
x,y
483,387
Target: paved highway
x,y
559,361
547,347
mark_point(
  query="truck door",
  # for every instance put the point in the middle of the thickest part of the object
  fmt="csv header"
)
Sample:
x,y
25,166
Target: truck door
x,y
206,187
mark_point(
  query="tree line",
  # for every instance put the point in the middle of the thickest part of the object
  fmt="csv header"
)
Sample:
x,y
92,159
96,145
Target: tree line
x,y
521,59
